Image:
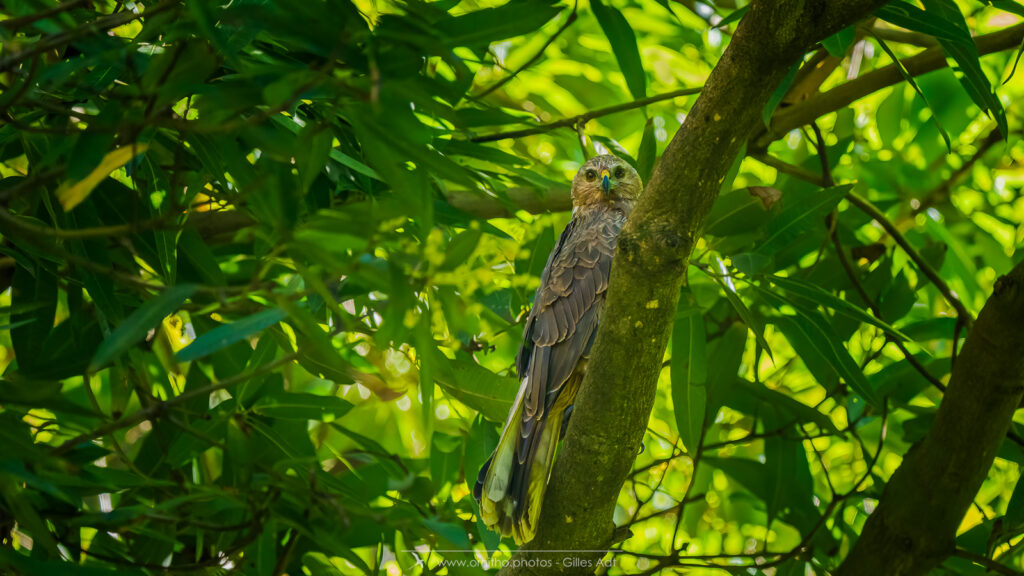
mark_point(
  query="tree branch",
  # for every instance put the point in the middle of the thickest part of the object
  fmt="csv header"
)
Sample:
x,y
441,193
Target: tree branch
x,y
100,24
871,210
512,75
865,206
587,116
929,60
615,400
914,527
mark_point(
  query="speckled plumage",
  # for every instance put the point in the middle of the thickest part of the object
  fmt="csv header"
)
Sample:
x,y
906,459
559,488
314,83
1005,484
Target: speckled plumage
x,y
556,341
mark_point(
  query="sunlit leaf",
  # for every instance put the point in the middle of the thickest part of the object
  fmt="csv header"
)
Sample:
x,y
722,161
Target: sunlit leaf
x,y
71,194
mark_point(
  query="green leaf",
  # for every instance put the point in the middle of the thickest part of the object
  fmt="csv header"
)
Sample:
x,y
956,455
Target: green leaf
x,y
931,329
1015,509
796,217
648,152
753,323
196,260
314,149
749,473
957,259
316,353
454,534
227,334
318,564
135,327
295,406
493,24
73,192
789,475
445,458
735,213
809,328
623,40
838,43
733,16
33,307
724,359
911,17
1009,6
461,248
754,395
965,52
776,98
829,300
910,80
689,372
476,386
335,154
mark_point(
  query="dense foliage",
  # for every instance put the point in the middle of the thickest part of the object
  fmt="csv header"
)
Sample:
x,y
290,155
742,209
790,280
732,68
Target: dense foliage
x,y
264,264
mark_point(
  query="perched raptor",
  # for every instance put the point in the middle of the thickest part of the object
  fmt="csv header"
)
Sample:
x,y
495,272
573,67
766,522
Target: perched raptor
x,y
556,342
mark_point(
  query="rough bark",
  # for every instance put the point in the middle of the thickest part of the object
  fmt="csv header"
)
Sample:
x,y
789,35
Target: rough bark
x,y
841,96
914,527
615,401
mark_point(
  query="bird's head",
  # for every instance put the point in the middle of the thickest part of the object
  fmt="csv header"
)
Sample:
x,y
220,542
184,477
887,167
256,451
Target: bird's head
x,y
605,179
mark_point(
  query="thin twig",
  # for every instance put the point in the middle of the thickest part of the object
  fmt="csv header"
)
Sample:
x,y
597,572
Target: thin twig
x,y
160,407
988,563
569,21
22,21
871,210
573,121
100,24
864,205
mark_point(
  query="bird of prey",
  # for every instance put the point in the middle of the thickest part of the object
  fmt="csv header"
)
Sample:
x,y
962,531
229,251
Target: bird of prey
x,y
556,342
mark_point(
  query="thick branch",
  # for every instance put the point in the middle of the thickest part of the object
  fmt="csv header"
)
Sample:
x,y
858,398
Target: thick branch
x,y
843,95
914,527
615,401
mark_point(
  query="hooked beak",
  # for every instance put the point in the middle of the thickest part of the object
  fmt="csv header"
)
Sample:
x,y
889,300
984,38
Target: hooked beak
x,y
606,183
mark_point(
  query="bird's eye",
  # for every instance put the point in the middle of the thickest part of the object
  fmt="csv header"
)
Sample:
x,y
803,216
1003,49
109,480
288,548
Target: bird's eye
x,y
620,172
590,175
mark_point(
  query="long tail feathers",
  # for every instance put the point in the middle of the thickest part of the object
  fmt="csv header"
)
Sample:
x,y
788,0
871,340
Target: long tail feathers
x,y
510,492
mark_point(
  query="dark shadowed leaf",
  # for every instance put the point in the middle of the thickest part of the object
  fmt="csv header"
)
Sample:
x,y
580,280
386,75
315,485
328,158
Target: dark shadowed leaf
x,y
302,406
689,373
134,328
477,387
228,334
623,40
796,217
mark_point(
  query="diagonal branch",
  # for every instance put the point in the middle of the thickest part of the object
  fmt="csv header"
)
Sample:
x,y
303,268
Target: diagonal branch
x,y
914,527
843,95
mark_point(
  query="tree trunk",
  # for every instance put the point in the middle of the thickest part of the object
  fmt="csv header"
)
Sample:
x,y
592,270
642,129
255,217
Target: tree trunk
x,y
615,401
914,527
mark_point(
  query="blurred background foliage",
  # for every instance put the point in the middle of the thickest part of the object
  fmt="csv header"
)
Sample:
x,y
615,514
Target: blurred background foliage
x,y
263,267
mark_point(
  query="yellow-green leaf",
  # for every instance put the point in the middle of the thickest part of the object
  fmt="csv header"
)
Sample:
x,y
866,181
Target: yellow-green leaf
x,y
72,194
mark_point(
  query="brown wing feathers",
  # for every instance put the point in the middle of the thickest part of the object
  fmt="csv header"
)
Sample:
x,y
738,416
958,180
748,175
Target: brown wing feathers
x,y
559,331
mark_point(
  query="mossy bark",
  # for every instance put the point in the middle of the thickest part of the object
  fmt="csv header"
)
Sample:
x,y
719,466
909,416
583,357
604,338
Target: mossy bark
x,y
913,529
617,395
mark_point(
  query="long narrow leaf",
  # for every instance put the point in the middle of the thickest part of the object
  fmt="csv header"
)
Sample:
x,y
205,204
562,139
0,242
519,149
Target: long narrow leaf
x,y
689,374
910,80
228,334
623,40
829,300
796,217
139,323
